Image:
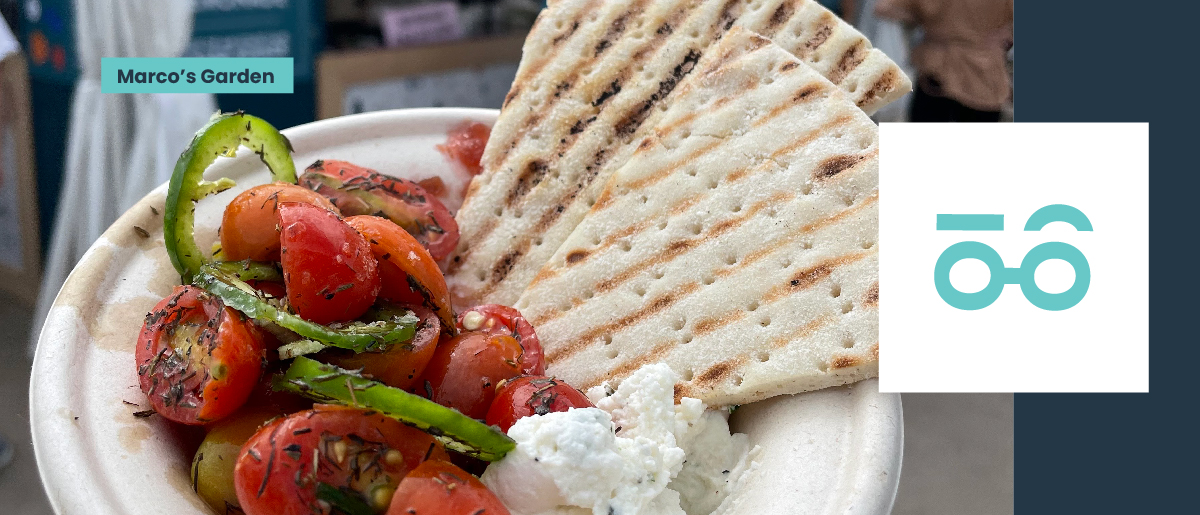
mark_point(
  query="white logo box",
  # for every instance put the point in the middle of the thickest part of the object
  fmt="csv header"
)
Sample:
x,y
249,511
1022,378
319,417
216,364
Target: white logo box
x,y
1100,344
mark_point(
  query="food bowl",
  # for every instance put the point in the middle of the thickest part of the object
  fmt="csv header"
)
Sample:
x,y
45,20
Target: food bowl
x,y
833,451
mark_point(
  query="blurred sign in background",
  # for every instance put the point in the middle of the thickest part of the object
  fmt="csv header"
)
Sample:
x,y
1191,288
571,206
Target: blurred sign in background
x,y
380,52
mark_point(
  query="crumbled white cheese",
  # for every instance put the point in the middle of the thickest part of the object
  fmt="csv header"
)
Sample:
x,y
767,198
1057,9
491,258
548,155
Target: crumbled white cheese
x,y
624,457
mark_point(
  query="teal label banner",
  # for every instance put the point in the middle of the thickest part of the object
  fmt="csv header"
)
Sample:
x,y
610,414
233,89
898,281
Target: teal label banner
x,y
196,75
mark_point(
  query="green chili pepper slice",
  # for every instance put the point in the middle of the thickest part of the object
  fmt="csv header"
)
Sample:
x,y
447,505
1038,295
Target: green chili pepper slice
x,y
247,270
458,432
220,137
378,336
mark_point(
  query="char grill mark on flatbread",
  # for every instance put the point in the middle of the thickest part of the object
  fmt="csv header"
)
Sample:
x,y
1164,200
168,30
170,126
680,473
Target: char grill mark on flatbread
x,y
851,58
820,36
624,130
743,256
580,125
576,256
539,57
872,296
809,31
652,308
781,15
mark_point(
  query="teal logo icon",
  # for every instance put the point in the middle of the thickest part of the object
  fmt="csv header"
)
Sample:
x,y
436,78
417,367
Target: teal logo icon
x,y
1023,276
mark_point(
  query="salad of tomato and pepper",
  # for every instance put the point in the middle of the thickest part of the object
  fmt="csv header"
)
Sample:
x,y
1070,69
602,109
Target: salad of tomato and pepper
x,y
317,345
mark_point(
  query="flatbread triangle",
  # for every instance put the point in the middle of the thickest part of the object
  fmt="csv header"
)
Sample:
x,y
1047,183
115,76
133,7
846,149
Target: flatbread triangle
x,y
738,246
595,75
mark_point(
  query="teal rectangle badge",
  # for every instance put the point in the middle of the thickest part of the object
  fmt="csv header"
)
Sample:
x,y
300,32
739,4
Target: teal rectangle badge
x,y
196,75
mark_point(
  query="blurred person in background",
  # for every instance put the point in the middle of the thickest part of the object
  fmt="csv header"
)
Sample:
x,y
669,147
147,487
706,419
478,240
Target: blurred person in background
x,y
961,59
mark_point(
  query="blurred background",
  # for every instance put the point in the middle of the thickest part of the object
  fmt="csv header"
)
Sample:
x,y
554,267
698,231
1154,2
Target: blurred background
x,y
72,160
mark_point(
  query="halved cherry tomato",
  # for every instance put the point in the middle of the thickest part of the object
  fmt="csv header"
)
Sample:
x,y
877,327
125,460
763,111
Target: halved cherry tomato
x,y
465,144
249,227
440,488
466,369
392,244
396,287
198,360
401,365
498,319
356,190
533,395
328,268
361,453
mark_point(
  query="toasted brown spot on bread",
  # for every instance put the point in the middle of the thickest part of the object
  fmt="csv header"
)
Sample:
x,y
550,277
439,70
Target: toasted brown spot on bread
x,y
581,124
729,14
874,351
837,164
709,325
850,60
612,90
801,332
566,34
576,256
561,88
501,269
655,306
888,82
717,373
614,31
782,14
646,142
512,94
806,278
872,296
821,35
807,92
845,362
790,65
530,176
532,121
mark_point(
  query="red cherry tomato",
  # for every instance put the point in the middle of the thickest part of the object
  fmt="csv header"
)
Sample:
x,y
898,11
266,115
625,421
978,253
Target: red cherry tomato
x,y
465,144
400,366
466,369
438,487
360,452
419,276
533,395
497,319
269,288
356,190
434,185
197,360
328,269
249,227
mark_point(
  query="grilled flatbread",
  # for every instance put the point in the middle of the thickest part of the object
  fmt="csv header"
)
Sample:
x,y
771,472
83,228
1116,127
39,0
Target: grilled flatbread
x,y
595,75
739,246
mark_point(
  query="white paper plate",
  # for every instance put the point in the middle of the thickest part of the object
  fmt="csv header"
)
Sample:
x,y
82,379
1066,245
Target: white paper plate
x,y
834,451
